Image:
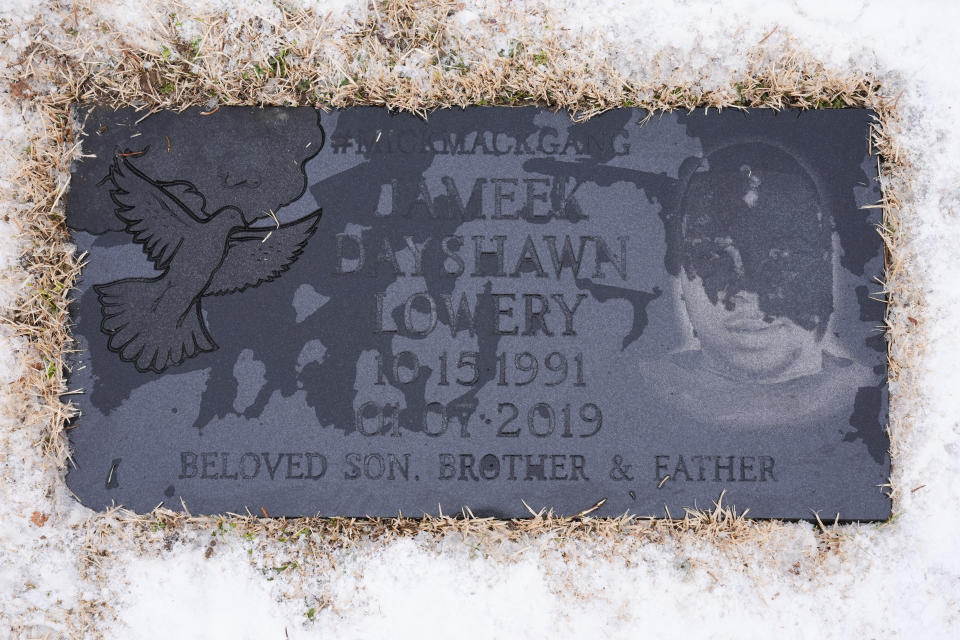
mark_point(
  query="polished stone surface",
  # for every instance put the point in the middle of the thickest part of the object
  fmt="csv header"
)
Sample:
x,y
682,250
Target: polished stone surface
x,y
363,313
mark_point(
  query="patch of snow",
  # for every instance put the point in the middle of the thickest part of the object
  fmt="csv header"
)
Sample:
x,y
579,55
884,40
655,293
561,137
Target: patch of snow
x,y
185,595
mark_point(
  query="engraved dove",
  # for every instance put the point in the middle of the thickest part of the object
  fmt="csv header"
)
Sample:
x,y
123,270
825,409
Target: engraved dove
x,y
156,323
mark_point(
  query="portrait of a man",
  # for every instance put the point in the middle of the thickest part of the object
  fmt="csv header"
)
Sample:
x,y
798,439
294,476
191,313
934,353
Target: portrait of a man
x,y
756,260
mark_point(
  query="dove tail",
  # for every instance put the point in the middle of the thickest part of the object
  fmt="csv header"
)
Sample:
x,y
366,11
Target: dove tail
x,y
139,334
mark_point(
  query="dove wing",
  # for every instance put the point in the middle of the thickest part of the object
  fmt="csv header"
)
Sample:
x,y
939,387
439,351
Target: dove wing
x,y
256,255
157,214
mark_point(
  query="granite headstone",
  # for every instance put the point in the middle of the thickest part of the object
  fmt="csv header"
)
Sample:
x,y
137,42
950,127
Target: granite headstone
x,y
367,313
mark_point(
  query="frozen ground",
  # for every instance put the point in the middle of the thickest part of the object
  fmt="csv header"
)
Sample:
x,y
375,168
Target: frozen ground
x,y
901,579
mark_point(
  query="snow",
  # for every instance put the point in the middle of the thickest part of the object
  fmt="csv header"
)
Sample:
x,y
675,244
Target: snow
x,y
202,598
901,579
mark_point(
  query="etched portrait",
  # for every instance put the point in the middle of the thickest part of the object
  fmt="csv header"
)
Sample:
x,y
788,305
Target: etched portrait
x,y
753,247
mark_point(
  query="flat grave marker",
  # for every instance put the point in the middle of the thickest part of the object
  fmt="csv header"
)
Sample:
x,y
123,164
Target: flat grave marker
x,y
361,313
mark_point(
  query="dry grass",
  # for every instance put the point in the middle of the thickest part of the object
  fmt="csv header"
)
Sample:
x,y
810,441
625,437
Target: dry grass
x,y
303,57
